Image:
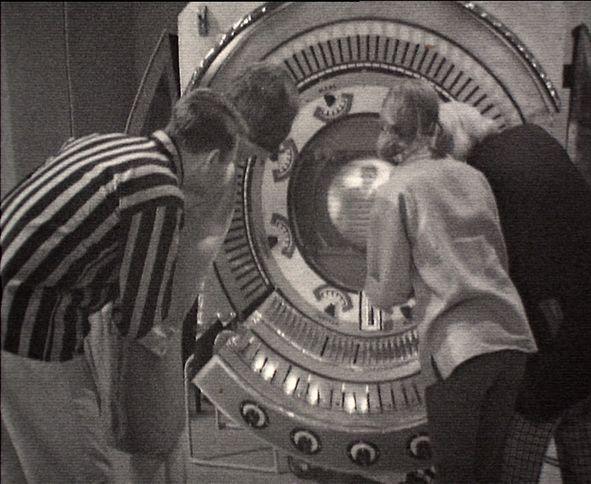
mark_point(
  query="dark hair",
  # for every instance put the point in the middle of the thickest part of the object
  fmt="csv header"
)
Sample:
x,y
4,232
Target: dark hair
x,y
202,120
268,99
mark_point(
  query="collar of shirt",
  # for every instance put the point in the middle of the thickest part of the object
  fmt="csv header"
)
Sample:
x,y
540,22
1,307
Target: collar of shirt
x,y
168,145
420,153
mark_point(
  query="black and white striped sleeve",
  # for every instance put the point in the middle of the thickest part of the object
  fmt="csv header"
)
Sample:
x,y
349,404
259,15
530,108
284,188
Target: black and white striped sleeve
x,y
151,235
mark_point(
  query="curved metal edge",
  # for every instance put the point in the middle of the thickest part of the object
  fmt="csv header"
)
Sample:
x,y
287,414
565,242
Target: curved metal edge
x,y
236,29
471,7
514,40
247,207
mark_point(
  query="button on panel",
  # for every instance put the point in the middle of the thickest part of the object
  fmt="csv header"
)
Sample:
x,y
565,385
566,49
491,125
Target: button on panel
x,y
305,441
362,453
254,415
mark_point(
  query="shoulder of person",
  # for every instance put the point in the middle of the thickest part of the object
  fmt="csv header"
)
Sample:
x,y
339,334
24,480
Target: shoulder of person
x,y
520,133
402,178
440,167
119,136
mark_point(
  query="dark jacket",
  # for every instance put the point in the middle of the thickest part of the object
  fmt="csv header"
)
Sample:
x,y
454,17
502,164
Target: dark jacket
x,y
545,209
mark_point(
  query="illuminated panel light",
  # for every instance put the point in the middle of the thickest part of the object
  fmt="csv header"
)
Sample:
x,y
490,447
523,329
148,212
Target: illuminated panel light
x,y
350,403
291,382
313,395
259,362
269,371
363,404
363,407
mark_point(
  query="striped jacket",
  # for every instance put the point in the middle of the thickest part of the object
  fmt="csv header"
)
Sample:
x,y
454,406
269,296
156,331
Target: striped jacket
x,y
98,222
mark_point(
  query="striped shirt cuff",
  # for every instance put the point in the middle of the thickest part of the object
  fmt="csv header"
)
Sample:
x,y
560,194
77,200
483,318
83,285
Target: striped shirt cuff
x,y
158,338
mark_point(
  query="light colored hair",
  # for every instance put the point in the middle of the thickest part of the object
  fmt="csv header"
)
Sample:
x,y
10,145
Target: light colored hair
x,y
414,106
203,120
465,127
267,97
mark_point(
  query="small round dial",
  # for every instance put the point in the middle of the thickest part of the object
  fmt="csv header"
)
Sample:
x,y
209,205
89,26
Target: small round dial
x,y
363,453
420,447
305,441
282,234
283,161
254,415
333,299
333,106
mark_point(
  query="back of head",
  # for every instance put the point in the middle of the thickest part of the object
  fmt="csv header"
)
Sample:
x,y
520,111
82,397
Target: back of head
x,y
268,99
413,106
465,127
202,120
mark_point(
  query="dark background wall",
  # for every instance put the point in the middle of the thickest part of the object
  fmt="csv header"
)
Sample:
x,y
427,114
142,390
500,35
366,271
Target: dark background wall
x,y
69,69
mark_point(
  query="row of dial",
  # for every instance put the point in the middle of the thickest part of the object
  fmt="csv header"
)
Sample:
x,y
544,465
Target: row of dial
x,y
361,452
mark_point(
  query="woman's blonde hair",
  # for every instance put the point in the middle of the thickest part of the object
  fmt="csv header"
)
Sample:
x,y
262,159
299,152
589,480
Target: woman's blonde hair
x,y
464,126
414,107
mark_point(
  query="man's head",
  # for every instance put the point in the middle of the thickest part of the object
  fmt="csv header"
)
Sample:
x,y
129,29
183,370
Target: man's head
x,y
408,118
267,98
206,128
465,126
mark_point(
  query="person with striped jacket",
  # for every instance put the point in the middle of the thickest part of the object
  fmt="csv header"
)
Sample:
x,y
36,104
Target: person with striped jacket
x,y
110,219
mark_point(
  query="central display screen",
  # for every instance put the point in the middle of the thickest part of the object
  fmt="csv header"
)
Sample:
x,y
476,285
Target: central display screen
x,y
331,196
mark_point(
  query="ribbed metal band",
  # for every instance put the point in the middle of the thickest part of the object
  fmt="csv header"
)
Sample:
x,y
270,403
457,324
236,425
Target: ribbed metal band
x,y
471,7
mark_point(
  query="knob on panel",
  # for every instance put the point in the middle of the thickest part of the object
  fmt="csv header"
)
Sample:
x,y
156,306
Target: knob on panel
x,y
305,441
363,453
419,447
336,446
254,415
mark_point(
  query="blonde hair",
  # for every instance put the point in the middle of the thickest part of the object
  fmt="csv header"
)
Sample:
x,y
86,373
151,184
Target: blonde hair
x,y
414,106
464,126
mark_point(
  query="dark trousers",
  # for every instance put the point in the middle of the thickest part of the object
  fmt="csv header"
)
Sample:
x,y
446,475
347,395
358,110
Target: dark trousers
x,y
469,415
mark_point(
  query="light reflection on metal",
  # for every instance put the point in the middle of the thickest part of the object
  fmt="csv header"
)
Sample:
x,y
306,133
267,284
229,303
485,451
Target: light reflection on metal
x,y
519,45
290,384
259,362
313,395
269,371
236,29
350,402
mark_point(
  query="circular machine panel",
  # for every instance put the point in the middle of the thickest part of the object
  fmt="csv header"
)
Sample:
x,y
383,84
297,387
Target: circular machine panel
x,y
293,263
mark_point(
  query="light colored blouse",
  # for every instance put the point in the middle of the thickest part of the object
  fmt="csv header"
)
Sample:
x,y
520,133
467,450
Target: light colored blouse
x,y
435,234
